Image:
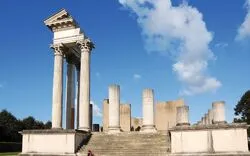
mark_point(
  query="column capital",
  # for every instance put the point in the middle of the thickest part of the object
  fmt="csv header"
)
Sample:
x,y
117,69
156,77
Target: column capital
x,y
58,49
85,45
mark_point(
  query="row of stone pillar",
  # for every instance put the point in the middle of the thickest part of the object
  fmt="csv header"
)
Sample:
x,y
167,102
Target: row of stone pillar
x,y
82,89
114,110
216,115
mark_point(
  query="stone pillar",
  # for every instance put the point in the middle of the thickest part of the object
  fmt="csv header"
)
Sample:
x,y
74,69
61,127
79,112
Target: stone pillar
x,y
219,112
210,116
70,96
57,87
206,119
114,109
90,116
85,46
77,94
182,116
203,122
199,123
148,111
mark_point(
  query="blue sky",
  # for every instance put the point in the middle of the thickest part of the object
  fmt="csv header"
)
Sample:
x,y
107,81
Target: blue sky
x,y
196,50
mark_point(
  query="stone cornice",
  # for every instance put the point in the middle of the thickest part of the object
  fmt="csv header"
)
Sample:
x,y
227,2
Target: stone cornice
x,y
61,21
52,131
213,126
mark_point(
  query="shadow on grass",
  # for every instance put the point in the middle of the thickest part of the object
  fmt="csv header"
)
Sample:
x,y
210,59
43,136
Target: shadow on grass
x,y
9,153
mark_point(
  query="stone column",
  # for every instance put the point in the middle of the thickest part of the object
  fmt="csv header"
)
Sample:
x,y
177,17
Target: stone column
x,y
148,124
70,96
210,116
203,122
206,119
85,46
182,116
199,123
57,87
219,112
114,109
77,94
90,116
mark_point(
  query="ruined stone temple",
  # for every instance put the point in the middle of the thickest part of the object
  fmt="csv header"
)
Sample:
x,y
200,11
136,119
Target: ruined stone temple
x,y
163,130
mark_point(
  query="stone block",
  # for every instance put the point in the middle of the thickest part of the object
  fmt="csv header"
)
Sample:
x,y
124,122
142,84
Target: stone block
x,y
165,114
125,117
52,142
209,139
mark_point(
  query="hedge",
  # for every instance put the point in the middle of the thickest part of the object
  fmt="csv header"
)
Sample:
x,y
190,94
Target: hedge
x,y
10,147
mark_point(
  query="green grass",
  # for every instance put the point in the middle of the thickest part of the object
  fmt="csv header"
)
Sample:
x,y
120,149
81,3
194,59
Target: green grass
x,y
9,154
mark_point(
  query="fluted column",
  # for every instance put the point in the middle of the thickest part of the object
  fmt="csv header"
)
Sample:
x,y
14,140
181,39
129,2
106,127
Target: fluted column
x,y
148,110
57,87
210,116
203,122
206,119
90,116
85,46
114,109
77,94
70,96
182,116
219,112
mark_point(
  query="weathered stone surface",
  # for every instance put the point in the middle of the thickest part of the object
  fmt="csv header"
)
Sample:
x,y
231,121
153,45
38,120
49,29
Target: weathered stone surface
x,y
105,115
148,122
125,117
209,139
182,116
136,124
219,116
52,142
126,144
114,109
165,114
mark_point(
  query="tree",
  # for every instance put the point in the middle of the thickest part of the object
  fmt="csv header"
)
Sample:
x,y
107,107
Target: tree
x,y
242,109
48,125
9,127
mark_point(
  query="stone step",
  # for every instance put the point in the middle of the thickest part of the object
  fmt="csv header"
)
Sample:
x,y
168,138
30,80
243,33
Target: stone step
x,y
127,144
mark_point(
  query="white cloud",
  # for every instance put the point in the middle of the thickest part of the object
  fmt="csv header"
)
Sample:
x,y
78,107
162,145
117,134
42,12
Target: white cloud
x,y
96,110
1,85
221,45
179,31
244,29
137,76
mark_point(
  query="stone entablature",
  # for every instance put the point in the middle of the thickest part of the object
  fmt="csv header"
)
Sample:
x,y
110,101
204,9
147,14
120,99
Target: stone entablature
x,y
61,21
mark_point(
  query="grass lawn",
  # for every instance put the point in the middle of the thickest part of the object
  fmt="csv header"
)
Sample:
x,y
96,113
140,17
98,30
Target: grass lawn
x,y
9,154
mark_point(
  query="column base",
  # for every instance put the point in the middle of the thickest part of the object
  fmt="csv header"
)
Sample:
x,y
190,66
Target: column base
x,y
183,124
148,129
219,122
114,129
56,128
86,129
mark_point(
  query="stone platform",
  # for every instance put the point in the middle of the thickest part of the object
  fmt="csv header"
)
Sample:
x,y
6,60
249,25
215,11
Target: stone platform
x,y
52,142
220,139
127,144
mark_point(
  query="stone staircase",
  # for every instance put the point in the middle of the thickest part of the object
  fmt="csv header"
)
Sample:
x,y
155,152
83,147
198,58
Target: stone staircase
x,y
127,144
